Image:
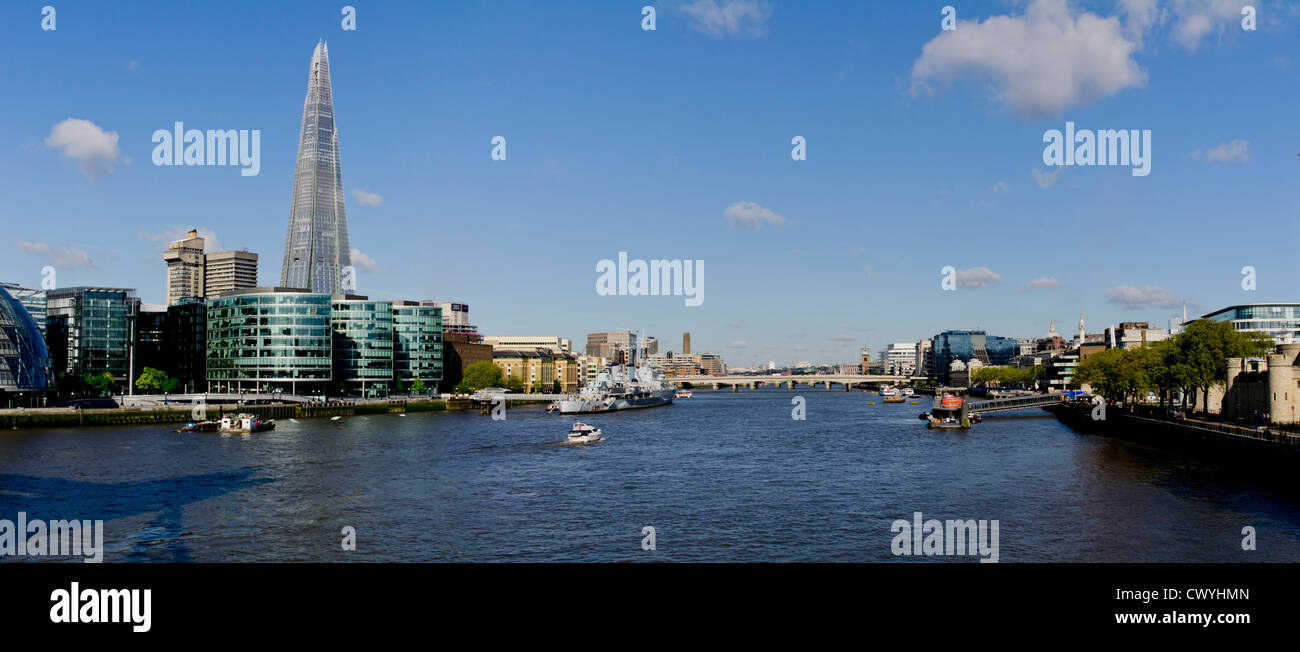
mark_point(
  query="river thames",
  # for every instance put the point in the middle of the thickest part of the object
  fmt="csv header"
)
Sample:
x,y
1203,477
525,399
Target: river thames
x,y
720,477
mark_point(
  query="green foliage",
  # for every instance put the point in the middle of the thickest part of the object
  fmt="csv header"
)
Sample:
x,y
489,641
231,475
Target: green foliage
x,y
156,380
1196,359
482,374
1007,376
102,383
515,384
417,386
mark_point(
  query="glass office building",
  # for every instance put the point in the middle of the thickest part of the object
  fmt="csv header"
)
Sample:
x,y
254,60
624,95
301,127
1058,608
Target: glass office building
x,y
33,300
1281,321
363,345
316,247
93,331
25,368
971,345
187,327
417,342
269,339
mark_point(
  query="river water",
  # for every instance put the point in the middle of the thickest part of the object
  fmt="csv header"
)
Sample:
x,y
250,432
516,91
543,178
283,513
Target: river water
x,y
720,477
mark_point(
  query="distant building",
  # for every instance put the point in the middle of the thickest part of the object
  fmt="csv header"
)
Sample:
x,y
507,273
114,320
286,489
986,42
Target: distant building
x,y
900,359
455,319
589,366
549,342
864,360
686,343
185,265
150,341
227,271
195,275
535,367
971,345
1134,334
89,330
617,346
459,351
924,366
650,345
1281,321
26,372
186,342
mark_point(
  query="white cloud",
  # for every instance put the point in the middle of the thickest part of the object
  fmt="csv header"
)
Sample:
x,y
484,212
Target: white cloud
x,y
94,149
1001,186
977,277
1044,179
750,215
61,257
1237,151
363,262
367,198
1040,63
1045,283
728,17
1149,296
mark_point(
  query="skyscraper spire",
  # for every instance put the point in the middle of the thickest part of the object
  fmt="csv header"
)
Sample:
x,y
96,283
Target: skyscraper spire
x,y
316,248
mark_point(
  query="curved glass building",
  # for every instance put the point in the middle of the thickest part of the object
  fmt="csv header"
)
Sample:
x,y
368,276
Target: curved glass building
x,y
1281,321
24,361
363,345
267,339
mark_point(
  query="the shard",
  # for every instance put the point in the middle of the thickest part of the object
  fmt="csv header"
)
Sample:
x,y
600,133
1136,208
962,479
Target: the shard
x,y
316,251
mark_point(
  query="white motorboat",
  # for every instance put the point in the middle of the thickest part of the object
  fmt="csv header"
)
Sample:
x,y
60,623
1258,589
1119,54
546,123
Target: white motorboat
x,y
682,393
584,434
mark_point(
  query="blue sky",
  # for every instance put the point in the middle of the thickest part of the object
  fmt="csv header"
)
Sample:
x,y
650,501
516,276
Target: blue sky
x,y
921,152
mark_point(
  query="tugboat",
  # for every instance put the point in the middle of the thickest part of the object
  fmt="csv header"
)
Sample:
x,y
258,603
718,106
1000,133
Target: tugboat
x,y
244,423
947,414
584,434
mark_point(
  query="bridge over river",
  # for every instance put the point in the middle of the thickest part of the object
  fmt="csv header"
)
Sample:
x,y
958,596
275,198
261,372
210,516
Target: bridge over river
x,y
848,381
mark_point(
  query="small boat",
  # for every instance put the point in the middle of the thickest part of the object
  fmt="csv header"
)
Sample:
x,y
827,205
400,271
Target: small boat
x,y
584,434
244,423
200,426
682,393
909,392
894,398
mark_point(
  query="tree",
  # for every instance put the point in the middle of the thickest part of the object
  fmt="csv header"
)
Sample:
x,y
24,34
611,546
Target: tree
x,y
102,383
417,386
156,380
1204,347
483,374
515,384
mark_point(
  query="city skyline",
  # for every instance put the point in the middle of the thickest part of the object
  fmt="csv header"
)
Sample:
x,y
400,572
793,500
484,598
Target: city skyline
x,y
906,173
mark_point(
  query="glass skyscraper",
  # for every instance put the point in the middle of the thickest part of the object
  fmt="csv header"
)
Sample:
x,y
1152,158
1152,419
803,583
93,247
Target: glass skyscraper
x,y
316,248
971,345
417,342
363,345
269,338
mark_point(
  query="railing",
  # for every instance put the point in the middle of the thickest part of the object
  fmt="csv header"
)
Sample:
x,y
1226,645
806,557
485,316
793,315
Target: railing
x,y
1260,433
1015,403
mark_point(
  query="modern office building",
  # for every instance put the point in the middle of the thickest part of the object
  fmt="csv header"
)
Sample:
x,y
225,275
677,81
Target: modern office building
x,y
1281,321
900,359
455,318
650,345
89,330
149,341
417,343
549,342
316,248
186,337
185,264
227,271
269,338
26,372
363,345
33,300
970,345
